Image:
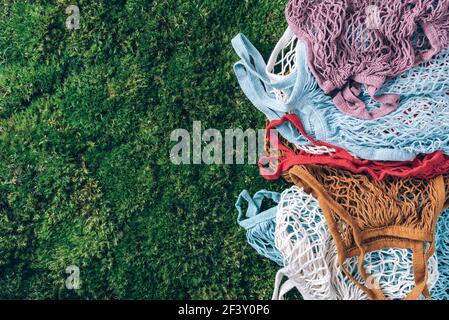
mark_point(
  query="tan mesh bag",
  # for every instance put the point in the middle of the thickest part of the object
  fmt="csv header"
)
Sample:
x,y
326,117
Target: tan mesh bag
x,y
365,215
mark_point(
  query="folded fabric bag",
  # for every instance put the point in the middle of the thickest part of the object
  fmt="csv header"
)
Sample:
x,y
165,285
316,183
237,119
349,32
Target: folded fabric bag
x,y
418,126
364,215
365,42
282,156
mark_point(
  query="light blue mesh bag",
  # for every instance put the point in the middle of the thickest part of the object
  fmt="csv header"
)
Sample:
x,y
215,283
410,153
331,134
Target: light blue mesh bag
x,y
441,289
259,226
394,265
418,126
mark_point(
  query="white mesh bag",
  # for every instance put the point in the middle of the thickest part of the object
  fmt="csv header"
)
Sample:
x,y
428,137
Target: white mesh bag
x,y
281,63
310,257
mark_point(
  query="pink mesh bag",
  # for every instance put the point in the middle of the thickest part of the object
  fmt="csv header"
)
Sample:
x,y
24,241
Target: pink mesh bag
x,y
366,42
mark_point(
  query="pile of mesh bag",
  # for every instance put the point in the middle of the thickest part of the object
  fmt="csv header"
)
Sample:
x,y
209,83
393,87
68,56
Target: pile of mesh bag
x,y
356,96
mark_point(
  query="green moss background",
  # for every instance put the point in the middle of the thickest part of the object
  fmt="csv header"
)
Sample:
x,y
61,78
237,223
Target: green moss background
x,y
85,123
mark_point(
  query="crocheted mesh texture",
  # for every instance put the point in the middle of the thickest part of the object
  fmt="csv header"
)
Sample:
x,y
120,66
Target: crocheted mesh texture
x,y
310,256
392,269
365,215
259,225
282,61
301,236
423,81
422,119
441,288
418,126
368,42
283,155
430,77
281,64
422,114
372,205
261,238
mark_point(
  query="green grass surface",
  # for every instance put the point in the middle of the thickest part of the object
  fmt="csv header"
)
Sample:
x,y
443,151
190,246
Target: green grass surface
x,y
85,123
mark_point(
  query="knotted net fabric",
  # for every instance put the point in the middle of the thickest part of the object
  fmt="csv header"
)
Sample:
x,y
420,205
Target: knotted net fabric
x,y
364,215
286,85
365,42
441,288
259,224
282,62
283,155
311,263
